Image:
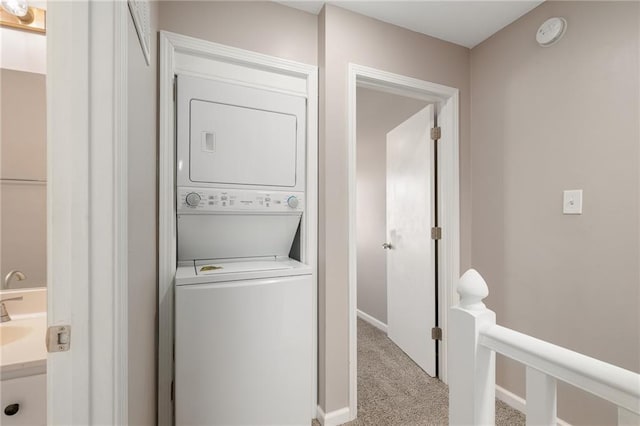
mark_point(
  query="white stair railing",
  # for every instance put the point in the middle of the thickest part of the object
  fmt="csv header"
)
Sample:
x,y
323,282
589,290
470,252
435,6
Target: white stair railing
x,y
474,339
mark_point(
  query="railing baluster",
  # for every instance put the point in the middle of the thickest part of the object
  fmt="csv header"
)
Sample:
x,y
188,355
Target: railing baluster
x,y
541,399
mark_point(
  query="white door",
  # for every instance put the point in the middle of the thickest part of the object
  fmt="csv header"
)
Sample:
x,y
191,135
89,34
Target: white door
x,y
411,256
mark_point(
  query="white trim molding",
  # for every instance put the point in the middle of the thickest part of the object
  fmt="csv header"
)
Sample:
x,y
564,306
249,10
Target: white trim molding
x,y
446,100
87,210
121,209
373,321
190,56
334,418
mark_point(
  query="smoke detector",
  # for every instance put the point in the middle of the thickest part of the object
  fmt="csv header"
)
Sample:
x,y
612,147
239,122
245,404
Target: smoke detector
x,y
551,31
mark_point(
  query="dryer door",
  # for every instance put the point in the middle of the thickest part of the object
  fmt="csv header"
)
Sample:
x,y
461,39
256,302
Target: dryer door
x,y
241,145
233,136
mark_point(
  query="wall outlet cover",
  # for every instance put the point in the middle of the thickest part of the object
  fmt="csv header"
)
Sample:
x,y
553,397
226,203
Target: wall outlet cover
x,y
572,202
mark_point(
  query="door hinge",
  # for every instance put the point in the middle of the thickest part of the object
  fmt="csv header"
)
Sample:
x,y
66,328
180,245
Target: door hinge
x,y
58,338
436,233
172,391
436,333
436,133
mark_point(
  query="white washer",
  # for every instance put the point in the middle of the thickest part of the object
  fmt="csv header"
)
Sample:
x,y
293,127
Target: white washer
x,y
243,343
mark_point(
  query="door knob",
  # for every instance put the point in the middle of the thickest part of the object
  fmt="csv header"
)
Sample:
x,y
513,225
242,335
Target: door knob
x,y
387,246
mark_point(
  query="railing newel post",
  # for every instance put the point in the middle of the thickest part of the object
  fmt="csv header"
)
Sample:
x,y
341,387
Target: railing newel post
x,y
471,366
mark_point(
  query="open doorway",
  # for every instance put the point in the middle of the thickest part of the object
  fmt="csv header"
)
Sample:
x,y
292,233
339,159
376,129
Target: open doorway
x,y
23,213
394,158
411,108
396,291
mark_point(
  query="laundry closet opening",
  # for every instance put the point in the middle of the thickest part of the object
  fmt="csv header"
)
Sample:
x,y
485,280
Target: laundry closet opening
x,y
237,327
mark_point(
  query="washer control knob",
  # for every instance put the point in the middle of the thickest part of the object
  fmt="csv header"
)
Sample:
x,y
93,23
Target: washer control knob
x,y
292,201
192,199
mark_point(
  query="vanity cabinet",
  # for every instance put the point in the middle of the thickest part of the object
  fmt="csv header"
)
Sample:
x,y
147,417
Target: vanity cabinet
x,y
30,395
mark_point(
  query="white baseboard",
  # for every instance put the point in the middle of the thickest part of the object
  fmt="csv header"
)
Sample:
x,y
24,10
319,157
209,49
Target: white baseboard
x,y
334,418
371,320
511,399
517,402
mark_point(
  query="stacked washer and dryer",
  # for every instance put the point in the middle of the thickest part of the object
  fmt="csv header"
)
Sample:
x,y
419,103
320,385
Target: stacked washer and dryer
x,y
243,300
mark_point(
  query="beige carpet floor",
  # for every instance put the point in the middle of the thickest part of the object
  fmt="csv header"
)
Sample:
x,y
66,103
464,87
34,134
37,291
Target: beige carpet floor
x,y
394,391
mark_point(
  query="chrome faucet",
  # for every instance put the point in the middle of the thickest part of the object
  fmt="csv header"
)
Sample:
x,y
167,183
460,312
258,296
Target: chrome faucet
x,y
14,273
4,315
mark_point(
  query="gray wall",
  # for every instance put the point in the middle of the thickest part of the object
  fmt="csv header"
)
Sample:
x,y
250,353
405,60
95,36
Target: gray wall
x,y
534,110
377,114
23,155
348,37
143,225
264,27
544,120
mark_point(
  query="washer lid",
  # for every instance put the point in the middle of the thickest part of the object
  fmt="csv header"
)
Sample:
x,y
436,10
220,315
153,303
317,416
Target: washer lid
x,y
238,269
208,267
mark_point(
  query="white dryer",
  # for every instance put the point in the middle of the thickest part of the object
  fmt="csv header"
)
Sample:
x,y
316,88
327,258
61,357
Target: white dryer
x,y
232,136
243,304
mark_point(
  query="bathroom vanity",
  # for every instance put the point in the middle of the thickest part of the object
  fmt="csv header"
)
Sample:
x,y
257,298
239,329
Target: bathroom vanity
x,y
23,358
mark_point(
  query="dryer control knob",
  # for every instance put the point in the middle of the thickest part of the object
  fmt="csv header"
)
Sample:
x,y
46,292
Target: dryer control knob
x,y
292,201
192,199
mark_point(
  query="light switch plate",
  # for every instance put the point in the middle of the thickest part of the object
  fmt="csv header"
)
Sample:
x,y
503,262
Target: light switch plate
x,y
572,202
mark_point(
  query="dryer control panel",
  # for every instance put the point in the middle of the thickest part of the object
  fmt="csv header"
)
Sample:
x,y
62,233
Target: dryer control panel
x,y
207,200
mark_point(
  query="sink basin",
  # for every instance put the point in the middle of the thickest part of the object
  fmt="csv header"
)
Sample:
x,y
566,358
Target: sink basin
x,y
22,345
10,333
23,351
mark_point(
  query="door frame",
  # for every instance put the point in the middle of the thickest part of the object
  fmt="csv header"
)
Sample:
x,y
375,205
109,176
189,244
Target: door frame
x,y
446,100
200,58
87,246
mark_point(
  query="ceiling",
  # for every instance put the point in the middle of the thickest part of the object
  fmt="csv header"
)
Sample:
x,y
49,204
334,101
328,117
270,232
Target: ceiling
x,y
466,23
